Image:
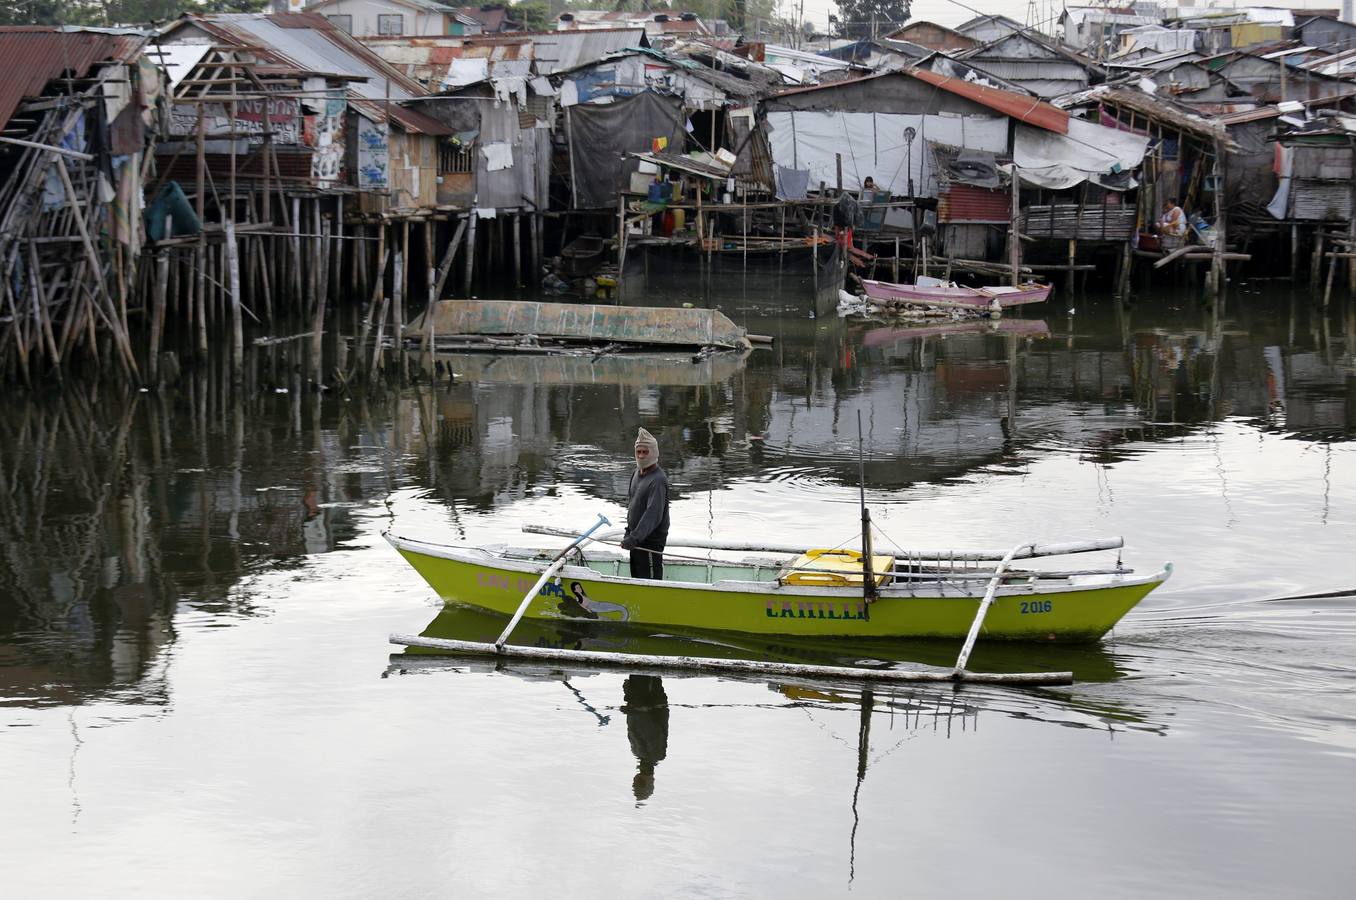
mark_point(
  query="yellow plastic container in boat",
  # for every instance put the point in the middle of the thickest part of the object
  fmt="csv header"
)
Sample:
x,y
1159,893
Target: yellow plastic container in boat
x,y
834,567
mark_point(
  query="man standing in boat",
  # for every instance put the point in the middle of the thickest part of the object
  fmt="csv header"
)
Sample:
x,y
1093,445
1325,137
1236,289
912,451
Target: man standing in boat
x,y
647,511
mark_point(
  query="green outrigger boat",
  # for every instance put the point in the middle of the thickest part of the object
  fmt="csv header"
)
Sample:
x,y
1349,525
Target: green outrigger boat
x,y
793,592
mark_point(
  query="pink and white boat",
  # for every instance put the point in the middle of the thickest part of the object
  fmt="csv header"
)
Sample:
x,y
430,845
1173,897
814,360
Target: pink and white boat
x,y
945,295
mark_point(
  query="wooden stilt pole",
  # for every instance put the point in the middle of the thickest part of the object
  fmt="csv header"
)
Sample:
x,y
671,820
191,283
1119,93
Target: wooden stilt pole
x,y
1014,235
517,226
237,325
471,218
402,287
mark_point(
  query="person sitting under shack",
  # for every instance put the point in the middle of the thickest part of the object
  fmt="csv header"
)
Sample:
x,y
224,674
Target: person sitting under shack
x,y
647,511
1173,222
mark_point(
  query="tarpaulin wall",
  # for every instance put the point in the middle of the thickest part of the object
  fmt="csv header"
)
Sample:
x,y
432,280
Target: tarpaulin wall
x,y
601,135
873,144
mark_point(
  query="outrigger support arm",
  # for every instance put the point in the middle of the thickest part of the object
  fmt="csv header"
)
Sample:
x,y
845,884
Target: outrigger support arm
x,y
559,561
959,672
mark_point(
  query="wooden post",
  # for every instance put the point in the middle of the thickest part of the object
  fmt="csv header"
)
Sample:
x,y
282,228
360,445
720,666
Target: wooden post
x,y
437,290
534,222
378,291
115,325
430,284
1073,256
896,268
162,265
1351,223
517,226
1217,271
298,289
398,290
1127,260
838,166
1294,252
1327,286
200,289
237,325
318,316
621,252
1014,239
1316,264
471,217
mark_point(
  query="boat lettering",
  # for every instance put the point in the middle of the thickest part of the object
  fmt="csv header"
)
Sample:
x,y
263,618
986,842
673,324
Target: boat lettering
x,y
505,583
817,609
1037,606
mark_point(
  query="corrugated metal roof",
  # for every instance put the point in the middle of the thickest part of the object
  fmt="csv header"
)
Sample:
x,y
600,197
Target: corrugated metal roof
x,y
31,56
1272,112
560,50
317,46
1027,69
307,43
1024,109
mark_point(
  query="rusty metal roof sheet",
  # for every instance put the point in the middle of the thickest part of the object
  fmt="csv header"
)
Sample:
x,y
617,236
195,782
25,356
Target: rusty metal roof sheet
x,y
1024,109
31,56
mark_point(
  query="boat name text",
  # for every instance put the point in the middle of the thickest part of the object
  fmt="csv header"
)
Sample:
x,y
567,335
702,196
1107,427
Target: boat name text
x,y
817,609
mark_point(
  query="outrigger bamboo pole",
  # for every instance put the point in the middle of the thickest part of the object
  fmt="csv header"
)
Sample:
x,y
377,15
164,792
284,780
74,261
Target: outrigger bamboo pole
x,y
755,667
796,549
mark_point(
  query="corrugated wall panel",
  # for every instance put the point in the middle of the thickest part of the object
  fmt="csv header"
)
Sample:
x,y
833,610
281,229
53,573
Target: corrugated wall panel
x,y
966,203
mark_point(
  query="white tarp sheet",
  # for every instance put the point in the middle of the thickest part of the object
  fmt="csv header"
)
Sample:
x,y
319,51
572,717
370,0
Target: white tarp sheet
x,y
1280,203
1088,152
179,59
873,144
461,72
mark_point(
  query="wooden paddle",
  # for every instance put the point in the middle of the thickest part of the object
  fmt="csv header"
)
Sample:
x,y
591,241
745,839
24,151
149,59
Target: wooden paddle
x,y
545,576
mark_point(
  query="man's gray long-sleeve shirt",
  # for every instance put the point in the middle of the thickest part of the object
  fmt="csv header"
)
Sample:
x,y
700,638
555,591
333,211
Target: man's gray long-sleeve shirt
x,y
647,509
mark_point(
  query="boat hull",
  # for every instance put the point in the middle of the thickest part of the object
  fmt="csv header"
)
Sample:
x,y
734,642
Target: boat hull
x,y
952,297
1072,613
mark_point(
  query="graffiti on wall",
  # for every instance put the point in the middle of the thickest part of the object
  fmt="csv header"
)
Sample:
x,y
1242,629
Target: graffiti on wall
x,y
323,132
373,154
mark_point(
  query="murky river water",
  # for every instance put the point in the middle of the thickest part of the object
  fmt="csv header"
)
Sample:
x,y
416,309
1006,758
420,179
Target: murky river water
x,y
197,694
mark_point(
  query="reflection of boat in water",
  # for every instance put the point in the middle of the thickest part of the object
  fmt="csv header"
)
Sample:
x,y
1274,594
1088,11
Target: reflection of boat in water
x,y
644,369
878,337
923,594
945,295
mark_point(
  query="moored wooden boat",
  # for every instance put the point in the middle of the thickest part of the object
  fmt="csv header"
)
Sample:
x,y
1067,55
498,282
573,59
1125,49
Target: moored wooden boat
x,y
919,595
581,256
953,296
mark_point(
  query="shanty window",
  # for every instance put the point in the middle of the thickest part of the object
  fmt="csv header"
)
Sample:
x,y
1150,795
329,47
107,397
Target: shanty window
x,y
454,158
343,23
393,24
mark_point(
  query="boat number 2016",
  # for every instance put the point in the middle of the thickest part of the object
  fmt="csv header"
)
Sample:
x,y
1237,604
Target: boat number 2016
x,y
1037,606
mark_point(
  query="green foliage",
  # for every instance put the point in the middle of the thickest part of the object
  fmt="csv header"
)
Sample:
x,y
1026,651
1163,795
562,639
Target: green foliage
x,y
859,19
113,12
535,15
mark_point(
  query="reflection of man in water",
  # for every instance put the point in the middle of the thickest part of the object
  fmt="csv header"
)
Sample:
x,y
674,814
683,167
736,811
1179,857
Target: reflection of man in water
x,y
647,727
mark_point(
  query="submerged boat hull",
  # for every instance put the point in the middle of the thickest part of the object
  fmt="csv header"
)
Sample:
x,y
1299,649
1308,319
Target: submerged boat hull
x,y
1076,610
